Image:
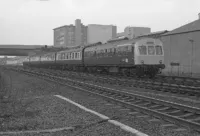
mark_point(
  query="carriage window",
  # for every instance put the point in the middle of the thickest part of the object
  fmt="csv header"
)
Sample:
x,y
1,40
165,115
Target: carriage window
x,y
59,56
66,55
151,50
76,55
52,57
158,50
70,56
79,54
113,50
143,50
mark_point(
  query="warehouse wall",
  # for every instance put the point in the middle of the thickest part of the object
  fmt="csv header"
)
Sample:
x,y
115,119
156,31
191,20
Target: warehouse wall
x,y
178,49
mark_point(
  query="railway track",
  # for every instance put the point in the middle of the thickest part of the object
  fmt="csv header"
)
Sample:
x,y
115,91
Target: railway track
x,y
153,84
175,115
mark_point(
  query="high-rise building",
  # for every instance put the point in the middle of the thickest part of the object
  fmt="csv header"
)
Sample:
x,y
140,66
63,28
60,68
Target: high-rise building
x,y
80,33
100,33
70,35
59,36
64,36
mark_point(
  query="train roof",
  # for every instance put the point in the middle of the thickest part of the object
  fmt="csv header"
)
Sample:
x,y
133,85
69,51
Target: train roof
x,y
115,43
117,39
98,45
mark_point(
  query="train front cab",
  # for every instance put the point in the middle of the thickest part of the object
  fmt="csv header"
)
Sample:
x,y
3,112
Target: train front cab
x,y
149,57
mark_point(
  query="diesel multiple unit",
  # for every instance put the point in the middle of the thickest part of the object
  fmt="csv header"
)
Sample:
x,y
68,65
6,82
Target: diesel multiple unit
x,y
138,56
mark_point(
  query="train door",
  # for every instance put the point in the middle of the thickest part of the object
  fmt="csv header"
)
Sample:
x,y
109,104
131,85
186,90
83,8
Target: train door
x,y
132,54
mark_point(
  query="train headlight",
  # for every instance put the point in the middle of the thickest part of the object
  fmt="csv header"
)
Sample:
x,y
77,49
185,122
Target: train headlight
x,y
160,61
142,61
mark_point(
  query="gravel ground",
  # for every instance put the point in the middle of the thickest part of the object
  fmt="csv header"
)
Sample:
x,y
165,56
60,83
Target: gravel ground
x,y
103,107
45,111
50,112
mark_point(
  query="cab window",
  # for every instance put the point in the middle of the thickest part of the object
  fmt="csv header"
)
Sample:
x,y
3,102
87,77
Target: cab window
x,y
158,50
143,50
151,50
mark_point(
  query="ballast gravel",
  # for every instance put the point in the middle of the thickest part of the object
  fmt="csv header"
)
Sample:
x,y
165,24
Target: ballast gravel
x,y
45,111
125,116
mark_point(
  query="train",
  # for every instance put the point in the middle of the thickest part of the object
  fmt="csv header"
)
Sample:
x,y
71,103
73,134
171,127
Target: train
x,y
131,57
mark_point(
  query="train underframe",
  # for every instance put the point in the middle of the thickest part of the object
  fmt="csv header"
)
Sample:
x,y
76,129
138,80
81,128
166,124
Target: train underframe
x,y
137,70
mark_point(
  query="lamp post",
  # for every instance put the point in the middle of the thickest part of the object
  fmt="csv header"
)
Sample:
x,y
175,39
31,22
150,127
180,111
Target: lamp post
x,y
192,55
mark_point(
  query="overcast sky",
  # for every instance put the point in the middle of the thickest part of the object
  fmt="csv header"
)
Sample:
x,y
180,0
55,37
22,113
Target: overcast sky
x,y
31,21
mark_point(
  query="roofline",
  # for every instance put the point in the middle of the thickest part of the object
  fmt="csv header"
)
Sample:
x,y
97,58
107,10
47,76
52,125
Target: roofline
x,y
62,26
180,33
155,33
100,25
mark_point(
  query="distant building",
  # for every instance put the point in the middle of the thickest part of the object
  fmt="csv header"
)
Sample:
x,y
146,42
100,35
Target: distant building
x,y
80,33
132,32
100,33
61,35
70,35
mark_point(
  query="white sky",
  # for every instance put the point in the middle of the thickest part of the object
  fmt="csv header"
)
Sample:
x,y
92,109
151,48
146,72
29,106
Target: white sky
x,y
32,21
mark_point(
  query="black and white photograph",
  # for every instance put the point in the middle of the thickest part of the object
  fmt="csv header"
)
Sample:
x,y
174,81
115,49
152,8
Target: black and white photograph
x,y
99,68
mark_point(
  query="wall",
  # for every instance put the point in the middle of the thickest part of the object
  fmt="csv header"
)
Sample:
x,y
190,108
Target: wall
x,y
100,33
59,36
178,49
70,36
84,35
78,31
64,36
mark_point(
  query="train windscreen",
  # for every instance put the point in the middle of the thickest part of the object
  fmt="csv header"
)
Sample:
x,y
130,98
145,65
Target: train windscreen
x,y
158,50
151,50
